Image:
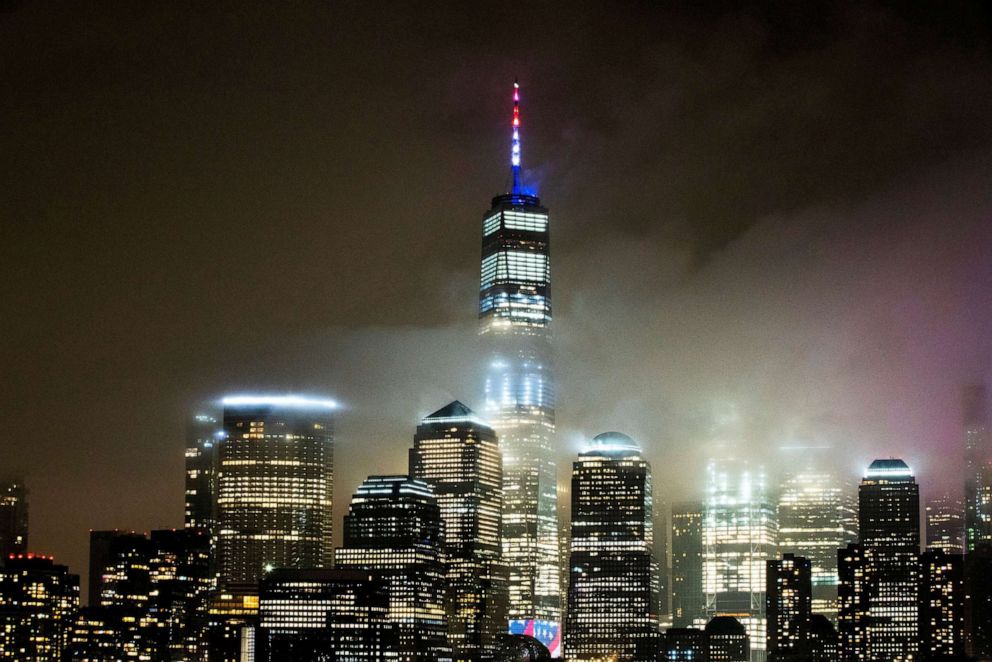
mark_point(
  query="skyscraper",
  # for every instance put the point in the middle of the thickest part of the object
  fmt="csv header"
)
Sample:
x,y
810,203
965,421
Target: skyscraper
x,y
515,327
889,525
202,435
789,604
13,518
945,525
457,453
852,603
274,487
978,606
739,536
816,517
611,597
978,467
687,563
393,529
942,599
38,604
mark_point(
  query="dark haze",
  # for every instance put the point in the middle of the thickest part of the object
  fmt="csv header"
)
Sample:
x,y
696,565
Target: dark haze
x,y
780,207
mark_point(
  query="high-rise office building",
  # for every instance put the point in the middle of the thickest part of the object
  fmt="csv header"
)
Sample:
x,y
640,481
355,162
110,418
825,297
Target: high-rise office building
x,y
942,600
457,453
687,563
887,559
274,487
945,525
202,435
789,604
824,644
852,603
978,467
13,518
393,529
739,535
728,640
182,579
38,605
611,597
515,327
684,645
323,614
816,517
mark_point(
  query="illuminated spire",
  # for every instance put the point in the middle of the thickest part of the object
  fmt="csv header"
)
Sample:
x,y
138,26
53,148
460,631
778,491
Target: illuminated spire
x,y
515,149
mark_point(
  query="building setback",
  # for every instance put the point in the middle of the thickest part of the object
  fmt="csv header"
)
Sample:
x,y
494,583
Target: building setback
x,y
611,598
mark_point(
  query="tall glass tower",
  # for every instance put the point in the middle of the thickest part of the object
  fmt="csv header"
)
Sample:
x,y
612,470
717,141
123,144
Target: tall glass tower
x,y
515,325
740,532
274,487
816,517
978,468
612,610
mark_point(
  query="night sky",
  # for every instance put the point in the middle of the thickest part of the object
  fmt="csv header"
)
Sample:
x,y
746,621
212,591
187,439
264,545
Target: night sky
x,y
782,208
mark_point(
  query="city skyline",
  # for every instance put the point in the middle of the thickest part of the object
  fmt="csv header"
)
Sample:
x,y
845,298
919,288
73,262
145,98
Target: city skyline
x,y
835,313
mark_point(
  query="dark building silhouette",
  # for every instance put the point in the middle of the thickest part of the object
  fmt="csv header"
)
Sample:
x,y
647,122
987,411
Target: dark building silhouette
x,y
520,648
393,529
978,605
324,615
202,436
788,604
457,453
684,645
728,640
13,518
38,604
152,591
611,608
852,602
941,605
824,644
687,563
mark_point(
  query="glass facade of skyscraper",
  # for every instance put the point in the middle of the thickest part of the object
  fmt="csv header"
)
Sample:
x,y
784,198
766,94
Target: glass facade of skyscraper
x,y
816,517
945,525
740,532
393,529
202,435
274,487
457,454
687,563
978,467
612,610
889,526
515,326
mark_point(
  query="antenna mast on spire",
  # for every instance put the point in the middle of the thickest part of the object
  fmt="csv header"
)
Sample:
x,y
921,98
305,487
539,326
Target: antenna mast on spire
x,y
515,148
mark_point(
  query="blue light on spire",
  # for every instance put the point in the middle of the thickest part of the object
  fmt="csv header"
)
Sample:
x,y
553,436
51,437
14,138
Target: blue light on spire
x,y
515,148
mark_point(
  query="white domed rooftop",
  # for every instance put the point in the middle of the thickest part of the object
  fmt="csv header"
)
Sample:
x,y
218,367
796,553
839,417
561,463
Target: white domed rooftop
x,y
611,443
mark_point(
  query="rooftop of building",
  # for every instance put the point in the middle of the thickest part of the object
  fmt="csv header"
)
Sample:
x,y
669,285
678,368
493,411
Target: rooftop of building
x,y
889,468
611,443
